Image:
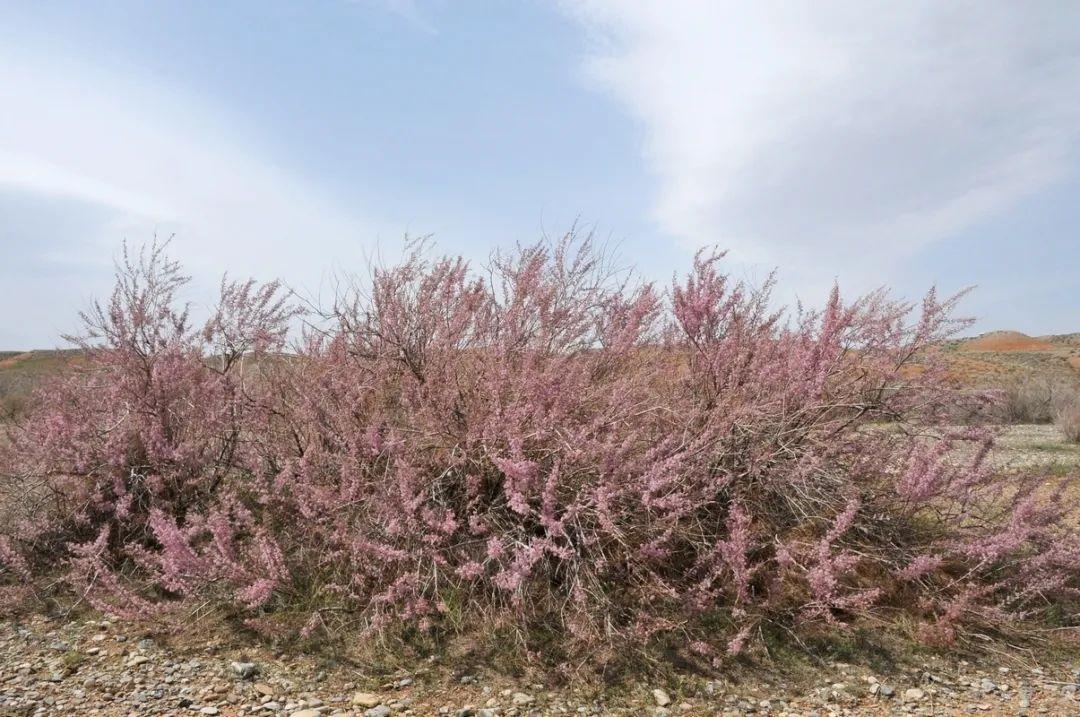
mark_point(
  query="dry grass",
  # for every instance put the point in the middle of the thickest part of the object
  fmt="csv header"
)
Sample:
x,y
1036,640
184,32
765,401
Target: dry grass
x,y
22,372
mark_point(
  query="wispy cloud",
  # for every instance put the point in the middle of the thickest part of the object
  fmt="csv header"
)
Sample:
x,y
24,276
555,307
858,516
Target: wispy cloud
x,y
840,134
407,10
152,158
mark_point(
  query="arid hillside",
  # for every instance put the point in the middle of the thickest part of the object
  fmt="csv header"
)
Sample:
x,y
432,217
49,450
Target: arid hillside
x,y
22,371
999,356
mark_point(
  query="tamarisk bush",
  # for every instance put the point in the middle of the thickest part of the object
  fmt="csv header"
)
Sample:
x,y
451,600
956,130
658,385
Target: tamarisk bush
x,y
542,449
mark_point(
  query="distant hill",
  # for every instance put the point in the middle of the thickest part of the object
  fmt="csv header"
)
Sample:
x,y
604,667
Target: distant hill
x,y
1000,355
1067,339
1005,342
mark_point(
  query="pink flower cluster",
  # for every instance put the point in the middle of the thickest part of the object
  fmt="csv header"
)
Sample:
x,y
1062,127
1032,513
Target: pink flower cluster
x,y
544,447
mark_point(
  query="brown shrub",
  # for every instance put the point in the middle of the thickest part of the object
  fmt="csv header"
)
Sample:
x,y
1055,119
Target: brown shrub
x,y
1067,415
1030,399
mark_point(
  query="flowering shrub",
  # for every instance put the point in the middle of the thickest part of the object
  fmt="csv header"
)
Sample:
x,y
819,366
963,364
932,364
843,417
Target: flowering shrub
x,y
542,448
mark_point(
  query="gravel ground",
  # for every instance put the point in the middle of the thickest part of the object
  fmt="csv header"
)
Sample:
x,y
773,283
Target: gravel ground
x,y
1034,446
92,667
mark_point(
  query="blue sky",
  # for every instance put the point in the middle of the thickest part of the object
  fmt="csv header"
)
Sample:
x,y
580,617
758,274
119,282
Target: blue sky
x,y
852,141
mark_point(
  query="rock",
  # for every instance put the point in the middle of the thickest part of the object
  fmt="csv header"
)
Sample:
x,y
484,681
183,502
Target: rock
x,y
365,699
914,694
209,711
244,670
380,711
520,698
263,689
987,686
306,713
661,697
886,691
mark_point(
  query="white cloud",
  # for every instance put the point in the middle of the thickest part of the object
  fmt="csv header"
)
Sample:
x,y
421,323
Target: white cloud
x,y
151,158
845,135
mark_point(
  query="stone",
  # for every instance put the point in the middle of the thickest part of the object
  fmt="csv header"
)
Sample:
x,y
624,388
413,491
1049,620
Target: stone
x,y
209,711
914,694
520,698
365,699
263,689
306,713
380,711
662,698
244,670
